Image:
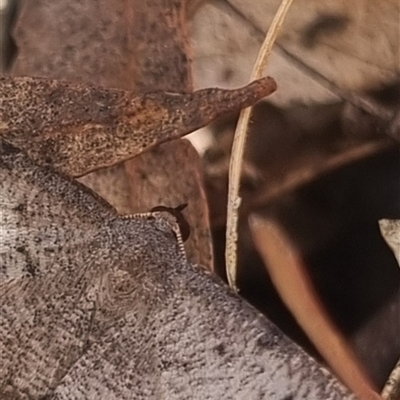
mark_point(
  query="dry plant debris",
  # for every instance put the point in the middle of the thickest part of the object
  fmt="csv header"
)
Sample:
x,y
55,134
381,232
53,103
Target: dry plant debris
x,y
289,275
77,129
129,54
239,141
114,57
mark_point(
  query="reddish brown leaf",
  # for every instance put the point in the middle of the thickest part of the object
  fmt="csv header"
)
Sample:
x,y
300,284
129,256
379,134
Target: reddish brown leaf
x,y
289,275
77,128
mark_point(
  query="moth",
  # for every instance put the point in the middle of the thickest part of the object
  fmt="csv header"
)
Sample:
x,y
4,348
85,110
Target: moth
x,y
97,305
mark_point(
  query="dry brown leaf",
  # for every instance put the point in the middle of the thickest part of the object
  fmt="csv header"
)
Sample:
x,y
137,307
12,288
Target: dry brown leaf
x,y
77,128
79,41
162,61
112,185
159,46
122,52
140,43
289,275
62,40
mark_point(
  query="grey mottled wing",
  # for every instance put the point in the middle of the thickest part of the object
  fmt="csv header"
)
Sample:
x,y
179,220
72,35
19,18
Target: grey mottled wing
x,y
200,343
62,254
95,306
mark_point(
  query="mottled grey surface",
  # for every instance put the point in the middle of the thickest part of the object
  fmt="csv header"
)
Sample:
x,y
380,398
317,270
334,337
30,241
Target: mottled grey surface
x,y
94,306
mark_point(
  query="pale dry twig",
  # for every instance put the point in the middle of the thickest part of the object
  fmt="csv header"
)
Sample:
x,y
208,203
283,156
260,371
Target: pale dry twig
x,y
238,147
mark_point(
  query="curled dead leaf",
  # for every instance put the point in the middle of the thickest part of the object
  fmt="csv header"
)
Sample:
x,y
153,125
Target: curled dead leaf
x,y
77,128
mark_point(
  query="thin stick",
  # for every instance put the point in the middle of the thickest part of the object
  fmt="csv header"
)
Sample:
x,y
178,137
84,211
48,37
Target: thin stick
x,y
236,161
